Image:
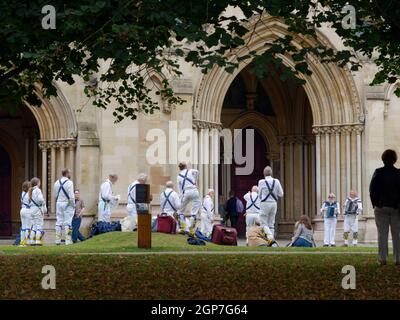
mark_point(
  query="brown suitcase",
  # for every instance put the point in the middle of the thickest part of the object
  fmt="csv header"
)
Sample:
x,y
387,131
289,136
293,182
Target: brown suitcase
x,y
224,236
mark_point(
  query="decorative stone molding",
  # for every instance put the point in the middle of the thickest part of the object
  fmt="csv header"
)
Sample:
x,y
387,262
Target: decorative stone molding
x,y
57,144
295,139
358,128
201,124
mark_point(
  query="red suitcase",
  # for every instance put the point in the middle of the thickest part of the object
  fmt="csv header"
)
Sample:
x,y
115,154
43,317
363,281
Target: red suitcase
x,y
224,235
166,224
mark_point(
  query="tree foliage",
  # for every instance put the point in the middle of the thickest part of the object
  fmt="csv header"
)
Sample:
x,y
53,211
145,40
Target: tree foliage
x,y
136,38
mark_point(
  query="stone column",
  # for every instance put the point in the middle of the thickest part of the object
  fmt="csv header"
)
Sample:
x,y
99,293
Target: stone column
x,y
282,177
62,147
43,147
327,162
337,151
317,133
359,130
348,158
306,178
52,176
71,151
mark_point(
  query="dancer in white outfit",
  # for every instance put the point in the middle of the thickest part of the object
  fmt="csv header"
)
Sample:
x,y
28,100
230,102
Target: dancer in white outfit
x,y
330,210
131,206
187,184
352,208
25,215
107,199
38,209
207,214
65,206
270,190
169,200
253,202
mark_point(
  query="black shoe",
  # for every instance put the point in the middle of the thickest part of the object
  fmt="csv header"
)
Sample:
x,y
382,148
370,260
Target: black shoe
x,y
333,245
325,245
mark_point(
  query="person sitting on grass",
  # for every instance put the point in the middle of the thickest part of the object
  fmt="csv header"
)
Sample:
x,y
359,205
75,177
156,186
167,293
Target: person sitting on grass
x,y
260,236
303,234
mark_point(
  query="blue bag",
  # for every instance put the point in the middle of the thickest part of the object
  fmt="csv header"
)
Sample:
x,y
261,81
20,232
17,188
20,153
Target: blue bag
x,y
201,236
196,242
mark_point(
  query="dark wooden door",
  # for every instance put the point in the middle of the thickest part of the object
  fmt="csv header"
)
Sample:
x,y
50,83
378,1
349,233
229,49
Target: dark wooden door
x,y
5,193
241,184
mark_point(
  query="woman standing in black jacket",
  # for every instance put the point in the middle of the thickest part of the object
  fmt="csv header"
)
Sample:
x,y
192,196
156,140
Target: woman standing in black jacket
x,y
385,197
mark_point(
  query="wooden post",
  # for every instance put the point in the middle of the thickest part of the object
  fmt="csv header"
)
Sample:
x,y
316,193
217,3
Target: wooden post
x,y
144,215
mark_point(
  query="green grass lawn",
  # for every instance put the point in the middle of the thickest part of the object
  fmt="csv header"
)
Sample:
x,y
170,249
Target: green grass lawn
x,y
127,242
201,276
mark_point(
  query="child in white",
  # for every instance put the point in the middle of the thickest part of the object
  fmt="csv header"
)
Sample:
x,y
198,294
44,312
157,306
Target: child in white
x,y
207,214
352,208
25,214
330,210
38,209
252,207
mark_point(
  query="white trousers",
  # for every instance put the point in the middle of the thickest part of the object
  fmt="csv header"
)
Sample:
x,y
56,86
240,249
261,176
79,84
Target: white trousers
x,y
64,215
384,218
267,215
350,224
329,231
193,196
206,224
251,218
37,225
104,212
25,224
131,210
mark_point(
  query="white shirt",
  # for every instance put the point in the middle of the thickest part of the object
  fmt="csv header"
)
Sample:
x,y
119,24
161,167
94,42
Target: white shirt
x,y
37,197
208,207
190,182
106,191
263,190
250,207
25,201
69,189
132,193
174,200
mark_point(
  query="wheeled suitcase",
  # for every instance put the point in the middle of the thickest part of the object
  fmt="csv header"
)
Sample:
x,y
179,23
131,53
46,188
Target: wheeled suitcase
x,y
166,224
224,235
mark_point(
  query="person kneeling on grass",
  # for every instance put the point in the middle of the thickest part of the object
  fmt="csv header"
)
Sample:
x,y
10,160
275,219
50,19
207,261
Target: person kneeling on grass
x,y
260,236
303,234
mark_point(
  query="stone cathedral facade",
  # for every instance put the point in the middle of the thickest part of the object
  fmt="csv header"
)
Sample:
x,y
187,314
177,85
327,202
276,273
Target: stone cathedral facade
x,y
326,136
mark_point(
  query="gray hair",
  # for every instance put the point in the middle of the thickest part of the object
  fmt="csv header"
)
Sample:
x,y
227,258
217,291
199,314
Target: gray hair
x,y
169,184
254,189
142,177
267,171
210,190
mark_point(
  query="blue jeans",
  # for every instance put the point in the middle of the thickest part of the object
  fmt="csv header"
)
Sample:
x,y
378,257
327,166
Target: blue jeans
x,y
300,242
76,223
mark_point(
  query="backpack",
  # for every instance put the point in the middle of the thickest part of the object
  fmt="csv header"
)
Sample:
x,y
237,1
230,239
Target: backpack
x,y
195,241
239,206
351,206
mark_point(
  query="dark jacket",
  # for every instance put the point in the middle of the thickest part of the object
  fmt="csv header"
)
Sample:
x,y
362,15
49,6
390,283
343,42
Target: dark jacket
x,y
384,188
231,207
